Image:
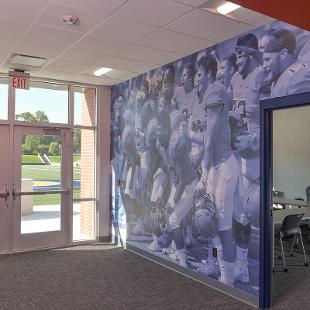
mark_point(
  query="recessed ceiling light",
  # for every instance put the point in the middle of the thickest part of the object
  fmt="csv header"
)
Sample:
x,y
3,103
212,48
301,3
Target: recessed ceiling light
x,y
102,71
227,8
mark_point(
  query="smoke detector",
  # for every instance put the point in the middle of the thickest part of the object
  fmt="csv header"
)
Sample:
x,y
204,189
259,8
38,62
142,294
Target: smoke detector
x,y
71,20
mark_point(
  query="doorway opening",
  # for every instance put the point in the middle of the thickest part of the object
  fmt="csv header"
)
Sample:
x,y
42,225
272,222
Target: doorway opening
x,y
285,199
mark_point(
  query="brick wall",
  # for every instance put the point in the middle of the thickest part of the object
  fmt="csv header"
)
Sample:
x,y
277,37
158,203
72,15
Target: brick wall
x,y
87,224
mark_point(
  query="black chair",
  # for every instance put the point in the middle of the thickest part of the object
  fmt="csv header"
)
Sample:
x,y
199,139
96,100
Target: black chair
x,y
290,230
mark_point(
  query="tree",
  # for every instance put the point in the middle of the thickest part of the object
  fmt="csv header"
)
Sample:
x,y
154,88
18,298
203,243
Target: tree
x,y
54,148
41,117
26,116
31,144
77,141
42,149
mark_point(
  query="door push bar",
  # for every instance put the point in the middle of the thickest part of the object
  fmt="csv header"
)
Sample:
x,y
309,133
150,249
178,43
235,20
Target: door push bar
x,y
15,194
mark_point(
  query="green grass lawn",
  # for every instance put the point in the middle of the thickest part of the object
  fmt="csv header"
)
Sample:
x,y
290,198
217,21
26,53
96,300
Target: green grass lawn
x,y
39,173
45,173
53,199
56,159
31,159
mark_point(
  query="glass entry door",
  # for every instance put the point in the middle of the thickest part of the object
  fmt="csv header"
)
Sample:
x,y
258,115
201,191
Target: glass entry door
x,y
41,187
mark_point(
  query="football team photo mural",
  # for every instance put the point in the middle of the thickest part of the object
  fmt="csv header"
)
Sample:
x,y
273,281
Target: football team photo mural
x,y
186,151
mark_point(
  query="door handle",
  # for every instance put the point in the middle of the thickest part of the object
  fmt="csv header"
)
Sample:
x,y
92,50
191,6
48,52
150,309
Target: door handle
x,y
6,193
14,192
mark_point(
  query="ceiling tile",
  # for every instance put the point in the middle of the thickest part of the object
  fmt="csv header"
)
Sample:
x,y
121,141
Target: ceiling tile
x,y
82,57
231,32
143,53
52,16
243,14
104,45
193,3
7,44
65,66
12,28
201,24
91,79
158,13
50,36
166,40
24,10
195,46
3,56
123,29
260,20
40,50
127,65
52,74
121,75
102,7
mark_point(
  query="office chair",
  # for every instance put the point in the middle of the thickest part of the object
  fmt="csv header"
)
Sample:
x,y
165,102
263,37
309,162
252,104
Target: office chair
x,y
290,230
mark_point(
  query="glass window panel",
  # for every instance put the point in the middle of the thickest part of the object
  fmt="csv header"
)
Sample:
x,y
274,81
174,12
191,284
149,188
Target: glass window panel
x,y
4,90
42,102
83,163
40,213
41,163
84,220
84,106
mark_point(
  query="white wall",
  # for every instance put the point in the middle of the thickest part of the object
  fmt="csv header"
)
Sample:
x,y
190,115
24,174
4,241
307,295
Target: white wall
x,y
291,151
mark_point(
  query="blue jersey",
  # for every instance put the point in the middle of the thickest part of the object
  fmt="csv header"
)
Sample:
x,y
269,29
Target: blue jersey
x,y
246,97
216,96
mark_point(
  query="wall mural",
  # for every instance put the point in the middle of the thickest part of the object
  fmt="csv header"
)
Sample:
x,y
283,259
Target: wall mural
x,y
185,145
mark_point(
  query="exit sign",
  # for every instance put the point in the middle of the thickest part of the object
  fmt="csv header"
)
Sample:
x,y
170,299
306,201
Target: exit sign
x,y
19,79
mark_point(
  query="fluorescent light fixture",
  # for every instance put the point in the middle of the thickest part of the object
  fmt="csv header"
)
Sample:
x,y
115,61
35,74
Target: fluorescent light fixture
x,y
102,71
227,8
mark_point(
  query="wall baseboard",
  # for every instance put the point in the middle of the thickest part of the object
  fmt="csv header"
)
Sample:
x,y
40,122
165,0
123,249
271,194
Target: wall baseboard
x,y
104,239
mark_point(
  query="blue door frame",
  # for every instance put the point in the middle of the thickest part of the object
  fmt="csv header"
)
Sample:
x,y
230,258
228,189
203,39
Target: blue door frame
x,y
267,106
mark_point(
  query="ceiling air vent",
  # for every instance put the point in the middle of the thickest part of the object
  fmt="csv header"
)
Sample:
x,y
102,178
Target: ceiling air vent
x,y
27,60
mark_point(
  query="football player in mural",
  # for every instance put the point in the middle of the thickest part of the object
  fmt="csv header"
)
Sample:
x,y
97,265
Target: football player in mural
x,y
182,175
161,186
187,102
168,86
142,116
185,96
246,85
221,176
130,160
289,75
203,216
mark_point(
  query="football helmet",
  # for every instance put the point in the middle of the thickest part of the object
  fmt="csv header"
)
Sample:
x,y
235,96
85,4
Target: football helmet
x,y
157,219
204,214
251,203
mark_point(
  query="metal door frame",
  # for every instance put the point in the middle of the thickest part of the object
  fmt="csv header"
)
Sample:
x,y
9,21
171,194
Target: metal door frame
x,y
267,107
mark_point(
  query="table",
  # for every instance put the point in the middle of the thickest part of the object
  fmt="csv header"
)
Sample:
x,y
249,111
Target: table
x,y
292,202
